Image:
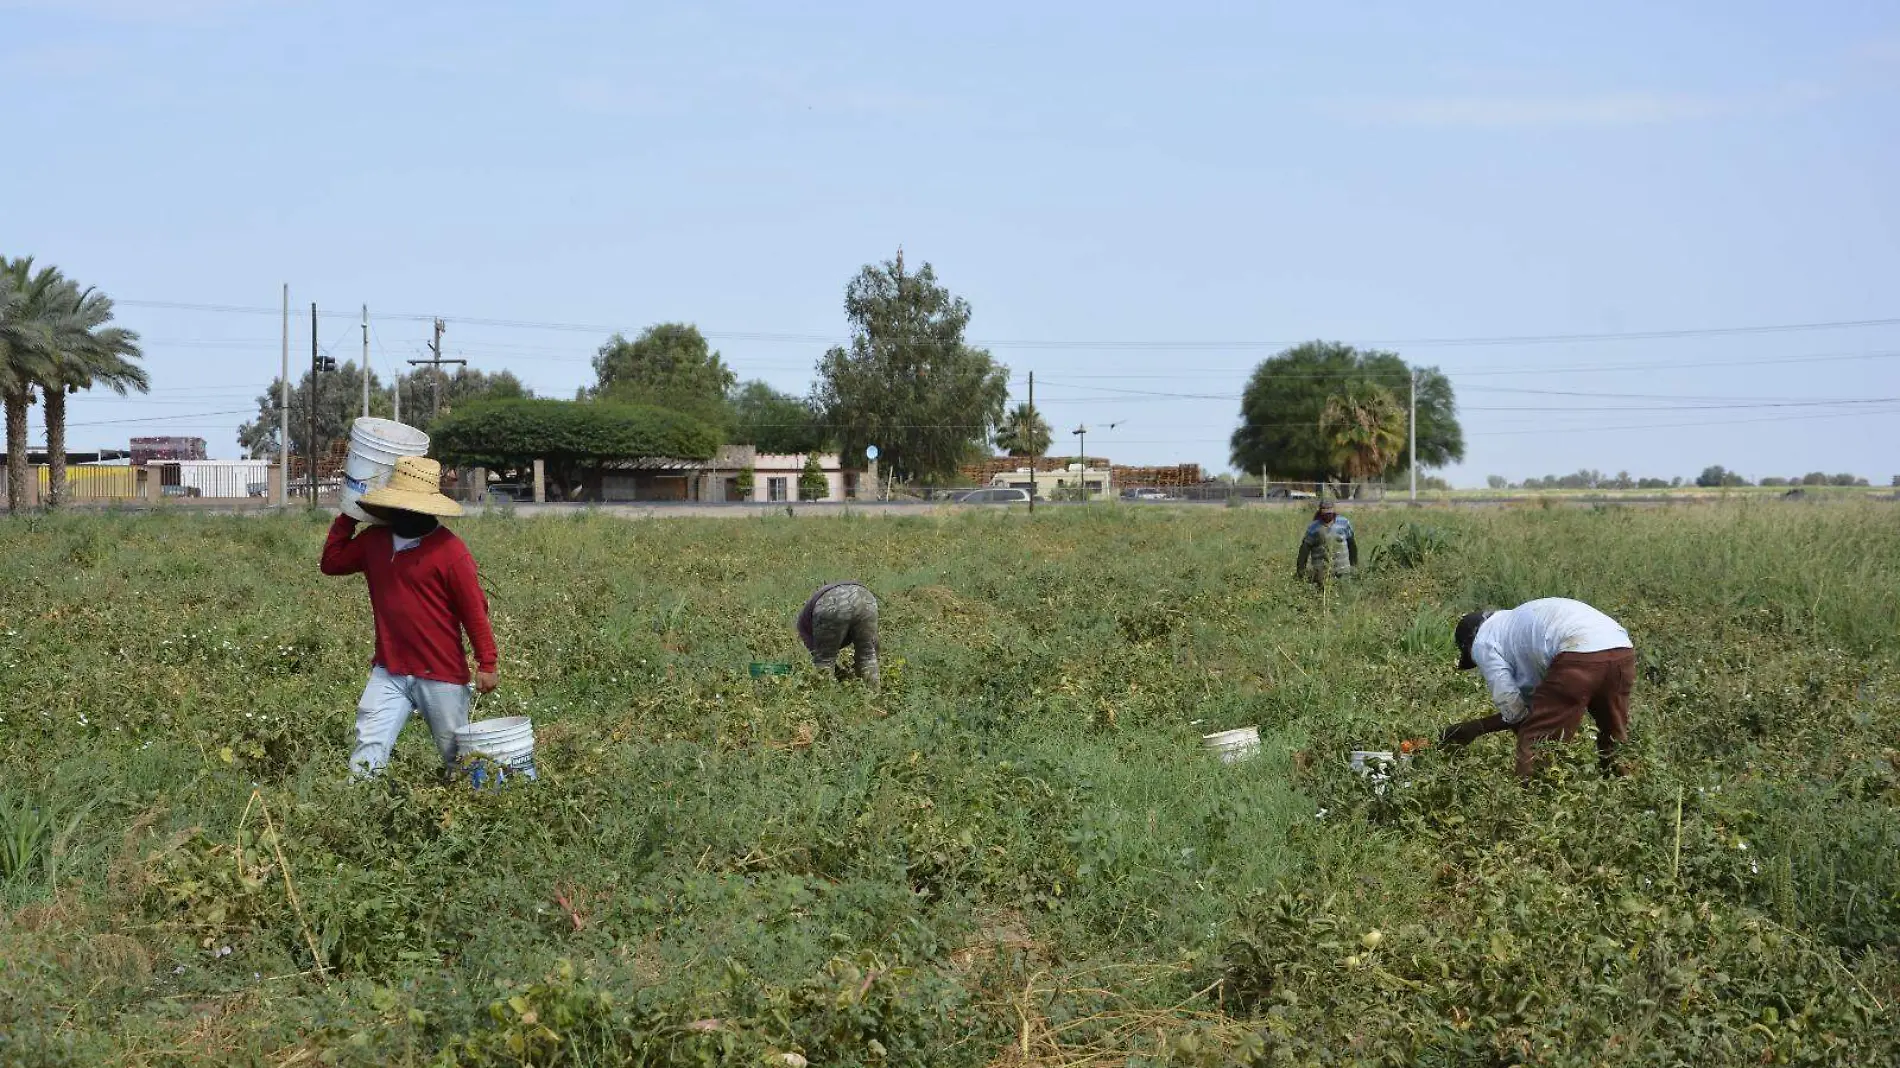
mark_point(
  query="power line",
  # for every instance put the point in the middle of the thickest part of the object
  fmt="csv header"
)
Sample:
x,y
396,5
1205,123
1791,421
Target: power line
x,y
1099,345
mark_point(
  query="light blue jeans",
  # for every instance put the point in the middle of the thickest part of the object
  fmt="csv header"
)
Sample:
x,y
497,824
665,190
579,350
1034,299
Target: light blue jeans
x,y
386,705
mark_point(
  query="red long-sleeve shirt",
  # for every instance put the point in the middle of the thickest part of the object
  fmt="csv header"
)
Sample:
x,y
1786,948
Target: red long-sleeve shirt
x,y
423,600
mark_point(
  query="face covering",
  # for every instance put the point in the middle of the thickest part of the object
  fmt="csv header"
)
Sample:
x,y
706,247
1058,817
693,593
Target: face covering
x,y
409,524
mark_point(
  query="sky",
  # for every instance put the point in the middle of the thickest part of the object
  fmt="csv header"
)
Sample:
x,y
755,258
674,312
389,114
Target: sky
x,y
1139,201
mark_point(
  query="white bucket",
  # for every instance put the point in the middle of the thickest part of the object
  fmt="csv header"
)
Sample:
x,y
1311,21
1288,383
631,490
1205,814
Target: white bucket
x,y
1233,746
1366,761
507,741
375,446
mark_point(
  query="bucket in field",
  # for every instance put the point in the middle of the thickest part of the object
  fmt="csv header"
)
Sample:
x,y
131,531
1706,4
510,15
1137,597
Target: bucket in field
x,y
1233,746
375,445
1366,761
763,668
504,746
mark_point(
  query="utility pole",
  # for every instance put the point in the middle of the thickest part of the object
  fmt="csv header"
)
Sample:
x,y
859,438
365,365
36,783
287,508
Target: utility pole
x,y
1411,423
1082,433
283,412
310,405
366,361
1035,484
435,362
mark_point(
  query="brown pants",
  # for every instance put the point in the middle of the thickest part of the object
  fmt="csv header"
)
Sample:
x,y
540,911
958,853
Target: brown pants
x,y
1577,682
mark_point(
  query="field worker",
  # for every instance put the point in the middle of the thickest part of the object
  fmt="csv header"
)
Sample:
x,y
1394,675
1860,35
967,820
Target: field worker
x,y
425,595
1545,663
1329,548
843,613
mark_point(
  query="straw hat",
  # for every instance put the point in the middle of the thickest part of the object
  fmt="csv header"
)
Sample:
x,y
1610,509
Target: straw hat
x,y
414,486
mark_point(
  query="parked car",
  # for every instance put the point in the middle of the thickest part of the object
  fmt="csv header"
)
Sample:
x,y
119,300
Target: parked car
x,y
180,491
995,495
1285,494
1151,495
509,493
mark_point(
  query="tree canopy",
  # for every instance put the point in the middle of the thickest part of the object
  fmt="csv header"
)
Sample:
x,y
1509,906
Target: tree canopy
x,y
775,422
668,366
340,401
1287,398
577,439
1715,475
908,382
1024,432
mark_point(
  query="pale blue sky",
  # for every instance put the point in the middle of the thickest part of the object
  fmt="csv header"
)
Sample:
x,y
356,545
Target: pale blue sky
x,y
1236,173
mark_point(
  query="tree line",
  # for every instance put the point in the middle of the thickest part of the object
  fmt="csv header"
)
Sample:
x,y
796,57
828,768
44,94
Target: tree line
x,y
1714,476
907,380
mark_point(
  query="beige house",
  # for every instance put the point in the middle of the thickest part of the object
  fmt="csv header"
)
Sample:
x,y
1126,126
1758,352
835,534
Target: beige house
x,y
774,478
1051,484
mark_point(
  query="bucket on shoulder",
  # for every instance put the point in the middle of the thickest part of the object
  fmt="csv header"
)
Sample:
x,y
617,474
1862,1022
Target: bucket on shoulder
x,y
375,446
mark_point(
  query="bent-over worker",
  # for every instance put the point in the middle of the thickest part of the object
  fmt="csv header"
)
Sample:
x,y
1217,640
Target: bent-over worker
x,y
1329,548
1546,662
840,614
425,595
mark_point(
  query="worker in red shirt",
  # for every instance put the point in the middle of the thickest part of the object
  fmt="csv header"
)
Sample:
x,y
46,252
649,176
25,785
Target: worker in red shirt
x,y
424,594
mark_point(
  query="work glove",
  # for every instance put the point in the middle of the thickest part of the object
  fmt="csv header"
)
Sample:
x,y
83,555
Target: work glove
x,y
1471,730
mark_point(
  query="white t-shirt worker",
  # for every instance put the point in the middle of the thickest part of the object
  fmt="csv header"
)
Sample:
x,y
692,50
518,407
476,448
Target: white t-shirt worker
x,y
1546,663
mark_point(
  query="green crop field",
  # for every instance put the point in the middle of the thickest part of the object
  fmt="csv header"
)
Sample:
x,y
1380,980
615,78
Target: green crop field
x,y
1016,853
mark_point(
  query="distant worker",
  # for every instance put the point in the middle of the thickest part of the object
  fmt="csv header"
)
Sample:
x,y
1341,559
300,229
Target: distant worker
x,y
1546,662
843,613
1329,549
425,596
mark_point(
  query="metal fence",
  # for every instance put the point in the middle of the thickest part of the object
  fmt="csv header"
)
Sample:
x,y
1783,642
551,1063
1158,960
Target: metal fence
x,y
86,482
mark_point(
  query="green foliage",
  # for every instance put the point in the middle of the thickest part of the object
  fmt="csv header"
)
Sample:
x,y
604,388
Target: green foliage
x,y
1364,430
812,484
1024,432
576,438
669,365
748,481
1411,545
1719,476
908,383
776,422
1288,395
339,399
1017,844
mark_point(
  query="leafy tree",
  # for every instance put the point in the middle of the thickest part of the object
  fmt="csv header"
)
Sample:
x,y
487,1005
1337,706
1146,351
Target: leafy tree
x,y
55,339
908,383
1024,432
340,401
1719,476
1281,408
748,481
27,301
1775,481
419,389
1655,483
668,366
86,351
1844,479
812,484
1814,478
578,440
1497,482
775,422
1364,428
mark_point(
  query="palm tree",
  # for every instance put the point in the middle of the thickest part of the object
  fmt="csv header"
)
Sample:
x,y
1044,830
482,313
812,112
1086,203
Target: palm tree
x,y
1365,430
85,352
25,340
1023,433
